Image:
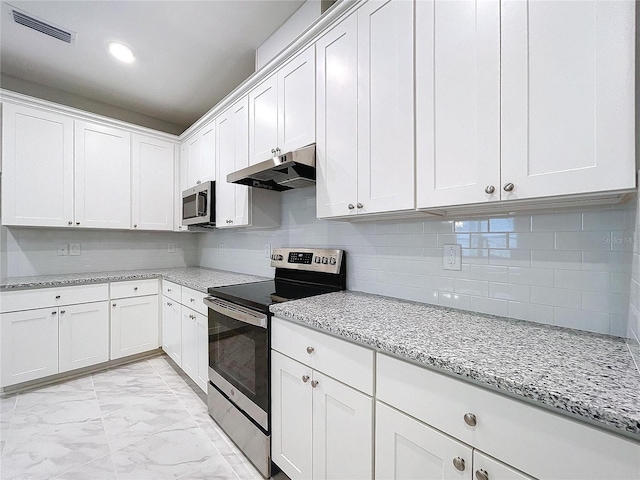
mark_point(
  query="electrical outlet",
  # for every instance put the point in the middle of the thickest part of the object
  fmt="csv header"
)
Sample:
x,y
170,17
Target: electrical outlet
x,y
267,250
63,250
171,248
221,249
74,249
452,257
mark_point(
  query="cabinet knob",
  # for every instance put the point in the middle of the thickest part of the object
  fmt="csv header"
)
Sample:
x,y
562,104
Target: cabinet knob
x,y
198,182
53,313
470,419
489,189
193,317
359,205
57,297
113,305
314,383
508,187
77,223
135,289
62,311
310,350
273,151
192,300
169,304
350,206
168,290
482,475
70,222
458,462
305,378
278,150
135,226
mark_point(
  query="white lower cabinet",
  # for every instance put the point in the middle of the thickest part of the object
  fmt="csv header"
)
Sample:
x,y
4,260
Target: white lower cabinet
x,y
29,345
195,346
134,325
171,329
83,335
321,428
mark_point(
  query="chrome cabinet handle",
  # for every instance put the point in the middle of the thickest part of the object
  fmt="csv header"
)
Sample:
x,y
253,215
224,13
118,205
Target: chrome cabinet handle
x,y
53,313
70,222
482,474
273,150
489,189
135,289
57,297
135,226
168,290
113,305
169,304
508,187
351,207
62,311
359,205
314,383
192,317
193,300
459,463
278,150
198,182
305,378
310,350
470,419
77,223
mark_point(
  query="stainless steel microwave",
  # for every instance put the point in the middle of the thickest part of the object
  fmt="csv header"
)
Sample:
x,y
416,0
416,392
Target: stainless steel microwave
x,y
199,205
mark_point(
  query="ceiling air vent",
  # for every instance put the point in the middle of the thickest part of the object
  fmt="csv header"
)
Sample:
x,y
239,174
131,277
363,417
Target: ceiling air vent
x,y
36,24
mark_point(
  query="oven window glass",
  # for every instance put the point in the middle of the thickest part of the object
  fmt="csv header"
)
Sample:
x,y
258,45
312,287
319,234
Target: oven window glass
x,y
239,353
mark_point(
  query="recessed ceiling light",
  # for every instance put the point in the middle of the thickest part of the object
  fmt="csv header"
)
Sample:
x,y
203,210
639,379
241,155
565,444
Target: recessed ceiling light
x,y
121,52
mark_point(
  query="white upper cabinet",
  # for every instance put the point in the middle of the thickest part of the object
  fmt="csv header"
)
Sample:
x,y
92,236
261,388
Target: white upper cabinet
x,y
232,200
198,157
457,102
337,117
102,176
282,109
152,183
567,97
386,154
365,100
37,163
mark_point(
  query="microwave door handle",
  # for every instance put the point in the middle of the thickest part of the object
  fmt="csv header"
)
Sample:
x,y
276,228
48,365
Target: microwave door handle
x,y
237,313
201,206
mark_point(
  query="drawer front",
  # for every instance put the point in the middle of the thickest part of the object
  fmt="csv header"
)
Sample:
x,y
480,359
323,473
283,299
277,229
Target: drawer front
x,y
340,359
134,288
193,299
52,297
172,290
531,439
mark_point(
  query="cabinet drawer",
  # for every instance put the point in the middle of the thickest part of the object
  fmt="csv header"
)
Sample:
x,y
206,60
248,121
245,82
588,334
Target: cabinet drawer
x,y
134,288
340,359
49,297
172,290
193,299
532,439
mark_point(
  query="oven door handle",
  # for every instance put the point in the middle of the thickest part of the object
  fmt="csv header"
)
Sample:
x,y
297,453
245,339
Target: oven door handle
x,y
236,312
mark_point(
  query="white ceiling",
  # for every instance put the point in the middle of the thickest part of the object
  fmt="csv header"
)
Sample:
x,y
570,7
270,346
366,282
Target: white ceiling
x,y
189,54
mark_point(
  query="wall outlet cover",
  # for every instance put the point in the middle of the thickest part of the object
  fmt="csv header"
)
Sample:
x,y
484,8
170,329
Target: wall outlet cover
x,y
74,249
267,250
171,248
63,250
452,257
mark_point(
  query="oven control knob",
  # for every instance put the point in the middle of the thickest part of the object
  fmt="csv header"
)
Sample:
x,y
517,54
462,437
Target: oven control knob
x,y
317,259
279,257
325,260
332,261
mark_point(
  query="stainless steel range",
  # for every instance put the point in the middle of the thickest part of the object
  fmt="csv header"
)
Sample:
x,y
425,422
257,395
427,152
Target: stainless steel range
x,y
239,393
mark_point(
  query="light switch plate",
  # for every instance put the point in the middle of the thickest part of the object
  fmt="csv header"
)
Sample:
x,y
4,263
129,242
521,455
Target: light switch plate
x,y
74,249
452,257
221,249
267,250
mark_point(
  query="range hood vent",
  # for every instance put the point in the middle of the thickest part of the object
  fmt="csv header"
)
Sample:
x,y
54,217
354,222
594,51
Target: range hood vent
x,y
295,169
38,25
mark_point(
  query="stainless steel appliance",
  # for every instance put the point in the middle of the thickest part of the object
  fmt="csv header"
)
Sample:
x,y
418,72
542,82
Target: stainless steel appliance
x,y
239,343
199,205
295,169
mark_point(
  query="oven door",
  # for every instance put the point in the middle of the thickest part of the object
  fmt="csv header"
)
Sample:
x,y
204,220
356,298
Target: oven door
x,y
239,357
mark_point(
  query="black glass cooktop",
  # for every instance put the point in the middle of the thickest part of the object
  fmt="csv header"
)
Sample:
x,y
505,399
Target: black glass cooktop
x,y
259,295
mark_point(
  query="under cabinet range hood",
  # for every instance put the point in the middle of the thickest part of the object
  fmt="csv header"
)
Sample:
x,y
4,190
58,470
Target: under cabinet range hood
x,y
295,169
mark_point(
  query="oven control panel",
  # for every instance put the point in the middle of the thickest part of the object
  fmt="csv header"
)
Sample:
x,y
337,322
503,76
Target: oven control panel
x,y
311,259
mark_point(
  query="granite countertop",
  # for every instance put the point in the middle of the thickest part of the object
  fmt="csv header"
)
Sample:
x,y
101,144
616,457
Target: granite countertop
x,y
589,376
193,277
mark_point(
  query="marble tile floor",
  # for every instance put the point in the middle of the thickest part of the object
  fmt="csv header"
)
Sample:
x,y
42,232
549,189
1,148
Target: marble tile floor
x,y
140,421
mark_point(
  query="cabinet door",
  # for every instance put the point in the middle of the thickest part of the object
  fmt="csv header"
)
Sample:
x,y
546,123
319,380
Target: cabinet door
x,y
102,176
297,102
152,184
291,416
567,97
189,343
134,325
457,102
386,160
37,162
83,335
495,470
172,329
263,115
342,431
207,167
232,200
337,120
29,341
192,160
202,377
408,449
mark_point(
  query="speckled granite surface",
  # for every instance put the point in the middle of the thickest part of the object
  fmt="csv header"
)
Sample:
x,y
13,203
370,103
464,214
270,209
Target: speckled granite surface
x,y
591,376
193,277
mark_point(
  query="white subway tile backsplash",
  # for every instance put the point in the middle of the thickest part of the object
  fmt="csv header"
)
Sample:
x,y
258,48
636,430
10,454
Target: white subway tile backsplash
x,y
492,273
606,261
556,222
567,260
459,238
438,226
604,220
491,306
489,240
557,297
510,224
572,318
508,291
531,241
606,302
455,300
582,280
531,312
471,287
531,276
510,258
471,226
478,256
598,241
